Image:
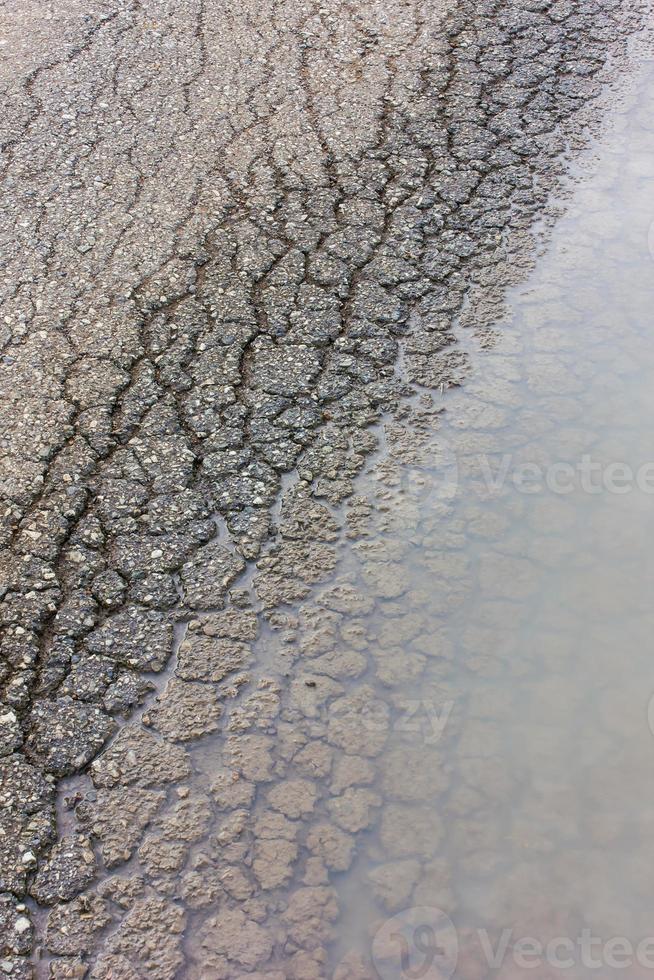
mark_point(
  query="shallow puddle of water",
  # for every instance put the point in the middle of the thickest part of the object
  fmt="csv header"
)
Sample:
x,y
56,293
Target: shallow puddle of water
x,y
452,726
511,556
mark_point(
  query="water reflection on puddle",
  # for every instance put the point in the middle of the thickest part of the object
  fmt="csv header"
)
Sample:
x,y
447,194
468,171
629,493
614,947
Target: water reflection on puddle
x,y
511,637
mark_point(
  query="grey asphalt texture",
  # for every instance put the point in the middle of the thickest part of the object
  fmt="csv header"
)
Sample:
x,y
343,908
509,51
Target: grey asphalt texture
x,y
223,224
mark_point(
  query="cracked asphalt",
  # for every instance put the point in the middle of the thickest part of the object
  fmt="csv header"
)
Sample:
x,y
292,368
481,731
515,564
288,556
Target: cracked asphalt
x,y
234,238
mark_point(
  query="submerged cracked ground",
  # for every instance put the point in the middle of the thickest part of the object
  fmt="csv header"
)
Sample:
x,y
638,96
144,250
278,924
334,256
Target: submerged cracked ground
x,y
236,242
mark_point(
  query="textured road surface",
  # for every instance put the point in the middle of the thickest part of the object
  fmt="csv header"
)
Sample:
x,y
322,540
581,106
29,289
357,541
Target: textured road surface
x,y
222,223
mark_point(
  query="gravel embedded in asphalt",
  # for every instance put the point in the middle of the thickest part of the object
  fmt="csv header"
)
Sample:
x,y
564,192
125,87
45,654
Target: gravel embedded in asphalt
x,y
223,226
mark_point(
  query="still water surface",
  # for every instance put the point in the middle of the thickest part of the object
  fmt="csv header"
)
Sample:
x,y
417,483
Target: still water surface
x,y
511,555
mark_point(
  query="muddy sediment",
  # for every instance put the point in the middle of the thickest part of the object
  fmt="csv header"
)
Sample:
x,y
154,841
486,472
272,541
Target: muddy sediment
x,y
189,728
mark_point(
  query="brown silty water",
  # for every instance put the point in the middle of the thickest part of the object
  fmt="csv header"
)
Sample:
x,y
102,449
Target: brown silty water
x,y
446,766
509,554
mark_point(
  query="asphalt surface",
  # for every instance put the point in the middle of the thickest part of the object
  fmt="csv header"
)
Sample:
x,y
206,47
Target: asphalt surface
x,y
223,225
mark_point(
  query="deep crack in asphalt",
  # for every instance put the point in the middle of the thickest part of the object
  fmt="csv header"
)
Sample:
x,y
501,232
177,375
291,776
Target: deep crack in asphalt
x,y
223,227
